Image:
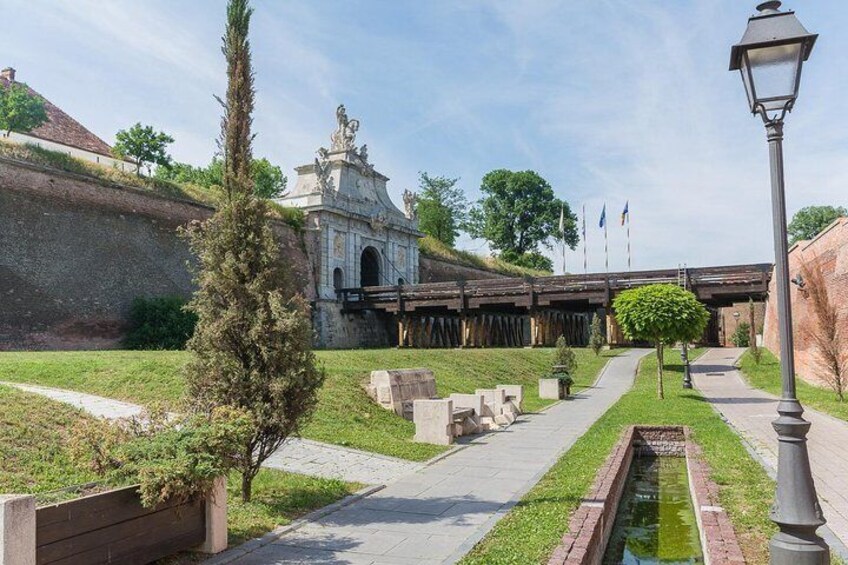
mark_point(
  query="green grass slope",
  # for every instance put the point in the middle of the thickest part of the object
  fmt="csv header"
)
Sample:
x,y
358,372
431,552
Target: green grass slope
x,y
345,415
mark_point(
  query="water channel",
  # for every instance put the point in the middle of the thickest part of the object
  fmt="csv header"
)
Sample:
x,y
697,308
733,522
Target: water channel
x,y
655,522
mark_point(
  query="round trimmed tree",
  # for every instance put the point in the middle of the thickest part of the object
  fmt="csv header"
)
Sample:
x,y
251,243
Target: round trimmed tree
x,y
662,314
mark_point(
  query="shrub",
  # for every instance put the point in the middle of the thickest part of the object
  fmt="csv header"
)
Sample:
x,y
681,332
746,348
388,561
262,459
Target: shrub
x,y
171,458
742,335
159,323
597,340
564,357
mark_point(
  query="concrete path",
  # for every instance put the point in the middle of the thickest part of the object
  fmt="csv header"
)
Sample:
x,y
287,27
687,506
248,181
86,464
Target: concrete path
x,y
296,455
437,514
751,411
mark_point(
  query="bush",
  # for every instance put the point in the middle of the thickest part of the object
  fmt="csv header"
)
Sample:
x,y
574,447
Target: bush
x,y
159,323
742,336
564,358
597,340
171,458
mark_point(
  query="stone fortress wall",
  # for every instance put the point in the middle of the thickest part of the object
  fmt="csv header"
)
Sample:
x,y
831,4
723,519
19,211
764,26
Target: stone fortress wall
x,y
75,251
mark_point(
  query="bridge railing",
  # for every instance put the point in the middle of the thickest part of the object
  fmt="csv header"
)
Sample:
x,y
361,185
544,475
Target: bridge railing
x,y
758,274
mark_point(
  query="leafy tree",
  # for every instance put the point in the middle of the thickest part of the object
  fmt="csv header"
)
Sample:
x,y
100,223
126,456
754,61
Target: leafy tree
x,y
144,145
252,344
269,181
530,260
826,329
662,314
808,222
20,109
518,212
564,356
441,207
742,336
597,340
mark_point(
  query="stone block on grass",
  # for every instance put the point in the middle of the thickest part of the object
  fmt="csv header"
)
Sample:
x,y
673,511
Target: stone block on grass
x,y
433,421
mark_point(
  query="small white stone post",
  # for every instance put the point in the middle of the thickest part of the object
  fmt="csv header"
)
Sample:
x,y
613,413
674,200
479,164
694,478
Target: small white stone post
x,y
433,421
17,529
216,518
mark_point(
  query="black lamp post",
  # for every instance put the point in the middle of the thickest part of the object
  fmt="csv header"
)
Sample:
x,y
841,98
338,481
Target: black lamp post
x,y
769,57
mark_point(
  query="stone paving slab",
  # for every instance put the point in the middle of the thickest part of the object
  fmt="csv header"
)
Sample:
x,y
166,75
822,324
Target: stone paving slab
x,y
438,513
296,455
751,411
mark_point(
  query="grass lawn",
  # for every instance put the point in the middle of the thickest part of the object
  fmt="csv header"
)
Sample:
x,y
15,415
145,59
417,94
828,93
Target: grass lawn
x,y
534,527
278,499
345,415
766,376
34,433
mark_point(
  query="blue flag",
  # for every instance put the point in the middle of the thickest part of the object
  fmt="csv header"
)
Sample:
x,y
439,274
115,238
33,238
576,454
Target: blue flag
x,y
625,214
603,221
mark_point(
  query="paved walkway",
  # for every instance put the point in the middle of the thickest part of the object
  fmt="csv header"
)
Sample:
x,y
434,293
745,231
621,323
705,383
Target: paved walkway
x,y
296,455
751,412
437,514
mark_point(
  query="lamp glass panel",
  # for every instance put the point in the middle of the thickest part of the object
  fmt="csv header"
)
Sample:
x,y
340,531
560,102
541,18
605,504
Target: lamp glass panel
x,y
774,71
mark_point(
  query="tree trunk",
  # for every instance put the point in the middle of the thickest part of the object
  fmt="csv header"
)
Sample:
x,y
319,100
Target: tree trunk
x,y
660,393
246,486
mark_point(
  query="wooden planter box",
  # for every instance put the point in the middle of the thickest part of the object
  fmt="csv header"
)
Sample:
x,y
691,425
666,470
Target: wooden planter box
x,y
110,527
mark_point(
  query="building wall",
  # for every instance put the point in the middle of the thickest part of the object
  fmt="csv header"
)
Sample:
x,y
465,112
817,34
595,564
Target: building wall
x,y
76,152
75,252
829,252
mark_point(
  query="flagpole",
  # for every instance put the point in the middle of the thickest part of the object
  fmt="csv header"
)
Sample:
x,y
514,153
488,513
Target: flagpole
x,y
585,264
628,241
606,247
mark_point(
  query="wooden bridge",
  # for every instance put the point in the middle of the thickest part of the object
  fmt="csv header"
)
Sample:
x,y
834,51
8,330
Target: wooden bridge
x,y
535,311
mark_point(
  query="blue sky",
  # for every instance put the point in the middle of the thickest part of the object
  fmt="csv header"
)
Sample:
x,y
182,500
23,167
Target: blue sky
x,y
608,100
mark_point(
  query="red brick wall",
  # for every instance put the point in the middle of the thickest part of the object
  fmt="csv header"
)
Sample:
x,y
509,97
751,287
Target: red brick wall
x,y
729,322
828,251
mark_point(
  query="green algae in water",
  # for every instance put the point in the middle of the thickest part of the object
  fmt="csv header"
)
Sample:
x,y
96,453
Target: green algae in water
x,y
655,522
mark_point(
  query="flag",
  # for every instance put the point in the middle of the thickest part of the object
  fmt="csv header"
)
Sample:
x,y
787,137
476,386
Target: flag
x,y
603,221
562,220
625,214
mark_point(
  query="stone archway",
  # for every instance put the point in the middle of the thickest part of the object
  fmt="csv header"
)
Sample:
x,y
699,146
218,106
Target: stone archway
x,y
369,267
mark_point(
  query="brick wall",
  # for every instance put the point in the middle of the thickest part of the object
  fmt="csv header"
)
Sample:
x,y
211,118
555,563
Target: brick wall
x,y
728,322
828,251
75,252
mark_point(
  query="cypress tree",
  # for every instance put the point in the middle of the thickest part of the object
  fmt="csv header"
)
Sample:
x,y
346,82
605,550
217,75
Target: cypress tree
x,y
252,345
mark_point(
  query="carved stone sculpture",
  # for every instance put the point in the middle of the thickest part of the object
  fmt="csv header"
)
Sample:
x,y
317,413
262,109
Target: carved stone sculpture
x,y
322,171
344,138
410,199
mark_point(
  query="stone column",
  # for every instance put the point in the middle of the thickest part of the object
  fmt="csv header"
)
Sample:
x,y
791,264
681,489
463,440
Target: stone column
x,y
17,529
216,518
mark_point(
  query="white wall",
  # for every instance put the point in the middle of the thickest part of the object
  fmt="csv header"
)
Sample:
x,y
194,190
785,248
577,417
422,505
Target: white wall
x,y
72,151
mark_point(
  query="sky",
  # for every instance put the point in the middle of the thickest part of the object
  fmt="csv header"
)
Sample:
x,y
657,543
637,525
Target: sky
x,y
609,100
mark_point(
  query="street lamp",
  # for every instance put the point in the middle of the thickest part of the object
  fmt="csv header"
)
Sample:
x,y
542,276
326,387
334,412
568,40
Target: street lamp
x,y
769,58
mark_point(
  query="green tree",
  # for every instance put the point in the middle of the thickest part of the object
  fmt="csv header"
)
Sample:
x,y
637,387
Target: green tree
x,y
269,181
251,348
144,145
441,207
519,212
597,340
661,314
808,222
20,109
530,260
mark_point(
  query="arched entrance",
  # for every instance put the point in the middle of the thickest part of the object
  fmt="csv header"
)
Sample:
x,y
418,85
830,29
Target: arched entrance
x,y
369,267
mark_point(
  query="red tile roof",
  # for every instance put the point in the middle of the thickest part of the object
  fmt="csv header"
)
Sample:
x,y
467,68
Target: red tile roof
x,y
63,129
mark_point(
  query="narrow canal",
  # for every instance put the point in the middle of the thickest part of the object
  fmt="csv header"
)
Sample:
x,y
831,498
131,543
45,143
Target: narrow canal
x,y
655,522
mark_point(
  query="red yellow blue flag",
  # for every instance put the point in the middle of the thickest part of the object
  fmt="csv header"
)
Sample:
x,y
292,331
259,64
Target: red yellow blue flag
x,y
625,214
